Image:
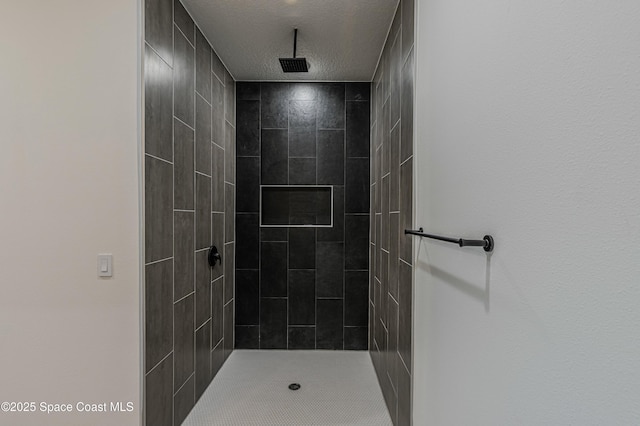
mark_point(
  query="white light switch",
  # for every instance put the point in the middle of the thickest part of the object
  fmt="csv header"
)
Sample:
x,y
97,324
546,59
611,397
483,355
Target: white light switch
x,y
105,265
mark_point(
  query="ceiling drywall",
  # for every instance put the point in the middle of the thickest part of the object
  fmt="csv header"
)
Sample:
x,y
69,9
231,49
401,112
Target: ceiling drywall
x,y
341,39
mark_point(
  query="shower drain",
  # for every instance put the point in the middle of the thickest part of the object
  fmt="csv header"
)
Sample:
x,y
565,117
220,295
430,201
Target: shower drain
x,y
294,386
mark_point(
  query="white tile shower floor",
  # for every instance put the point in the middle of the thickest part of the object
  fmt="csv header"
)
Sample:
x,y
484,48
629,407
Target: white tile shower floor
x,y
337,388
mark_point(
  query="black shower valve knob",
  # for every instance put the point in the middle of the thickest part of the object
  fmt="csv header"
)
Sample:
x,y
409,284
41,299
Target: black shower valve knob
x,y
214,256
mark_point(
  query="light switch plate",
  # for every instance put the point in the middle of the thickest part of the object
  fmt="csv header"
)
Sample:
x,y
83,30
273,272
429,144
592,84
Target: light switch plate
x,y
105,265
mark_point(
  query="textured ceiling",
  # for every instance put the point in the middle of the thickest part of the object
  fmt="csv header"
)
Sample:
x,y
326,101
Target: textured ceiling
x,y
341,39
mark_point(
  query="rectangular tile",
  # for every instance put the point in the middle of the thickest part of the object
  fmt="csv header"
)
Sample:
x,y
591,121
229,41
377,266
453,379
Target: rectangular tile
x,y
302,142
302,171
158,104
331,99
183,78
248,241
357,185
229,98
404,398
217,240
229,338
274,100
406,110
395,80
358,128
392,344
217,67
406,210
217,311
229,213
302,114
330,154
159,394
217,359
273,269
303,91
394,234
329,327
384,288
247,297
302,297
247,91
203,288
273,234
217,111
247,337
248,186
203,136
356,241
407,26
158,312
394,170
203,66
158,27
217,179
158,200
229,271
183,341
184,399
248,130
203,215
183,21
229,153
385,134
302,338
203,358
183,194
356,298
355,338
358,91
302,248
273,323
404,319
330,269
184,254
274,169
384,236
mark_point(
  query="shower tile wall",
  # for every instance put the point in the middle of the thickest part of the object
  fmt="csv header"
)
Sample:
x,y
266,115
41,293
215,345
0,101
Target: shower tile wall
x,y
303,288
189,205
390,304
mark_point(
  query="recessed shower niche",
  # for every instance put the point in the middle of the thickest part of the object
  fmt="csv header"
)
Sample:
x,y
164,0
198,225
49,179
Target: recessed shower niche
x,y
296,206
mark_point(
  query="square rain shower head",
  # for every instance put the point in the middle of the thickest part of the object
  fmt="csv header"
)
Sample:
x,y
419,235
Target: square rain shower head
x,y
294,65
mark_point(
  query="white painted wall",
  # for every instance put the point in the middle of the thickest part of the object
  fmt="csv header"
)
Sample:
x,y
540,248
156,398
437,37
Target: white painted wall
x,y
528,128
69,190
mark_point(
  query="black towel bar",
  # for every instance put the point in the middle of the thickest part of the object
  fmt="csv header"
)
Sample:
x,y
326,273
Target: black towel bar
x,y
486,242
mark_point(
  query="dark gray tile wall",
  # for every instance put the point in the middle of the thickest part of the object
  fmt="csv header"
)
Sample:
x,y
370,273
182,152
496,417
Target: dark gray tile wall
x,y
189,205
303,288
390,285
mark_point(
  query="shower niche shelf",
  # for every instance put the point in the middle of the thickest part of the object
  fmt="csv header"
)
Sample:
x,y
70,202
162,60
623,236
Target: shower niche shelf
x,y
296,206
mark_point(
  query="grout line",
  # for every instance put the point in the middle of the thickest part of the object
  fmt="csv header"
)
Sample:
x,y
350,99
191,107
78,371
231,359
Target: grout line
x,y
158,158
176,118
185,37
158,261
159,55
184,297
185,382
159,362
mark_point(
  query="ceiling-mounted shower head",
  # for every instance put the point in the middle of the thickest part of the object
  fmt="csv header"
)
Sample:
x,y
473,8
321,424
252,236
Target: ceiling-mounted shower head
x,y
294,64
